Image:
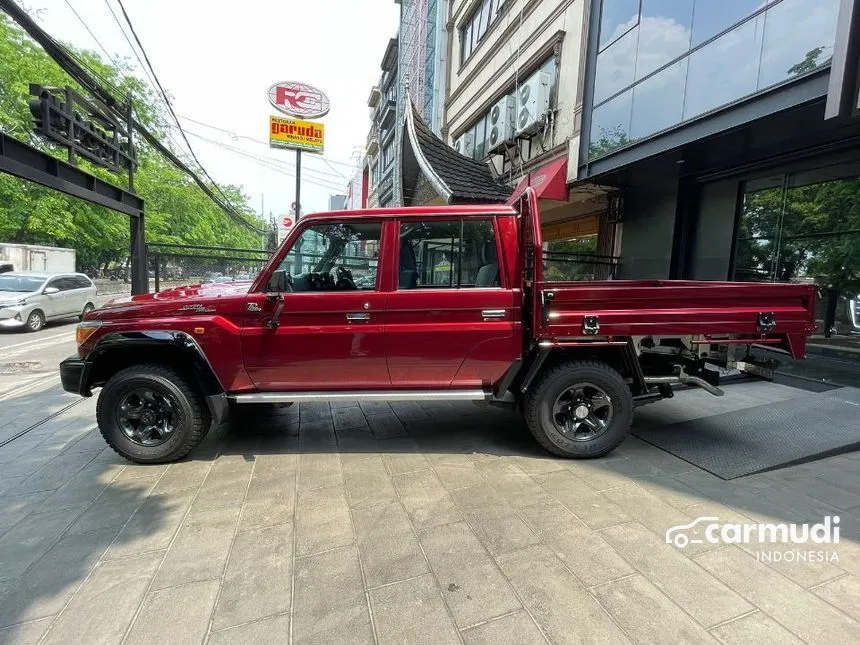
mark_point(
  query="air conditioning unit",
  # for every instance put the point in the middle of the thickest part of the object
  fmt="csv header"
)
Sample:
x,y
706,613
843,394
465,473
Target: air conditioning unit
x,y
532,104
465,145
500,124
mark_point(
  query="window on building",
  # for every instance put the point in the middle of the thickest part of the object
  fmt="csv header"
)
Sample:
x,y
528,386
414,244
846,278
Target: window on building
x,y
805,228
659,101
661,63
387,155
478,25
664,33
391,93
448,255
480,138
712,18
334,257
479,128
610,125
616,19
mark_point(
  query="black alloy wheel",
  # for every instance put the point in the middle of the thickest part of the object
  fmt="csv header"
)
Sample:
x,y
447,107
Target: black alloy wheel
x,y
579,409
152,414
583,412
147,417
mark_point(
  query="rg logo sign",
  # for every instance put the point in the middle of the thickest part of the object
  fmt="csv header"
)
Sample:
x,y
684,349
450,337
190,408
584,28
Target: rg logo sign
x,y
299,100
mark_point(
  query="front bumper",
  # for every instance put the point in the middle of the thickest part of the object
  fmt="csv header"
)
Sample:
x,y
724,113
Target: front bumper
x,y
12,316
74,375
11,323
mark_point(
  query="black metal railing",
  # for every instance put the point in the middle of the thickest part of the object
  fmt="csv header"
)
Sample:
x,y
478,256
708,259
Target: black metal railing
x,y
579,266
173,265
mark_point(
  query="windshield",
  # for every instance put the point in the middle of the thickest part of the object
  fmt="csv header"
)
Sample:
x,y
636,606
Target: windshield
x,y
22,283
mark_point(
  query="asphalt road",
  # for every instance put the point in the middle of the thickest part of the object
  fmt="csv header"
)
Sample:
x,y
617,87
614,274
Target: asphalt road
x,y
28,361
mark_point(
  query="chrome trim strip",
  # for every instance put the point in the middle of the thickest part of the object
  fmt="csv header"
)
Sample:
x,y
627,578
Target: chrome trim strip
x,y
391,395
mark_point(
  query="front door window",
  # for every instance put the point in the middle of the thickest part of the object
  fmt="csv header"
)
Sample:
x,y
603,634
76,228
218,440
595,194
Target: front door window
x,y
334,257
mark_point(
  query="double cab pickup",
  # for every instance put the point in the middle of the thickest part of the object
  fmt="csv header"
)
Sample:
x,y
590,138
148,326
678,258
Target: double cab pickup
x,y
428,304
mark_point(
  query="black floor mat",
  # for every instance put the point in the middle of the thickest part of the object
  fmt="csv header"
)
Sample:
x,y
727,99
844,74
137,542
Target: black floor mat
x,y
765,437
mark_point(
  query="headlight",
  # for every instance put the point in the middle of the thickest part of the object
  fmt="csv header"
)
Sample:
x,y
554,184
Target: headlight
x,y
85,329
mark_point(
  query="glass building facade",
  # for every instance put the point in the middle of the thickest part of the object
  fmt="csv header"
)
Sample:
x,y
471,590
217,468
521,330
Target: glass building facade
x,y
805,227
661,63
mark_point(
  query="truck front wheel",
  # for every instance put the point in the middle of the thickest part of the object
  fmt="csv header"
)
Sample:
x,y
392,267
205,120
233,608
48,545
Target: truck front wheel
x,y
579,409
150,414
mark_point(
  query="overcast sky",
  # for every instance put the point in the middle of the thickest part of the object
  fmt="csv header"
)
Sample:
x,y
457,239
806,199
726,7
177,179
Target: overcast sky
x,y
218,59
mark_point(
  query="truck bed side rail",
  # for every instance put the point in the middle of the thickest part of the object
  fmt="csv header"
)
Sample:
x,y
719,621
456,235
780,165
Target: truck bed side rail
x,y
779,315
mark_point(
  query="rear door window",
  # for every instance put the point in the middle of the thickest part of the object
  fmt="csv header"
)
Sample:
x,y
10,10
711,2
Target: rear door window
x,y
448,255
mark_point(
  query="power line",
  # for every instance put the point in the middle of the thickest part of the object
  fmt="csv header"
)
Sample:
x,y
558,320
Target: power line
x,y
130,45
290,165
169,106
76,71
104,51
141,65
266,143
272,164
89,31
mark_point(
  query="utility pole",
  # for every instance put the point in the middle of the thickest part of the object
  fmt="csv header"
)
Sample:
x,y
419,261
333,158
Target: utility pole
x,y
298,184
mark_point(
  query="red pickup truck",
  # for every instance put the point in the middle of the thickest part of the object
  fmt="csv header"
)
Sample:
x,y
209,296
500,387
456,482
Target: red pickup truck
x,y
428,304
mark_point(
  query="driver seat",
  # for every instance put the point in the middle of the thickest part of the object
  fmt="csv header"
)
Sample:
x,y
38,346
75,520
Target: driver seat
x,y
408,272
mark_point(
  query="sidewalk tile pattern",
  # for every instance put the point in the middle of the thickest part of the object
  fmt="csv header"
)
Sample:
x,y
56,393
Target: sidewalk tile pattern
x,y
408,523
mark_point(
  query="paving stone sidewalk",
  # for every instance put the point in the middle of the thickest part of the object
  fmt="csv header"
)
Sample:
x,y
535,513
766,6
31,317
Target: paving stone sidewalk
x,y
408,523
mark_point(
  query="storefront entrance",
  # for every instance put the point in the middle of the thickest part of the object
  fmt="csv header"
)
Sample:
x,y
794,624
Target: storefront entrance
x,y
805,227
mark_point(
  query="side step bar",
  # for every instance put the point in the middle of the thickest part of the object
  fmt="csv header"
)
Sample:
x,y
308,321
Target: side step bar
x,y
362,395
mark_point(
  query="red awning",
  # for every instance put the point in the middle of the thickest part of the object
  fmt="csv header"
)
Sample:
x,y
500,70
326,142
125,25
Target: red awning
x,y
549,181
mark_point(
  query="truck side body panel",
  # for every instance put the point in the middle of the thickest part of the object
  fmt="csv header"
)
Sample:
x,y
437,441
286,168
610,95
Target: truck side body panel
x,y
679,308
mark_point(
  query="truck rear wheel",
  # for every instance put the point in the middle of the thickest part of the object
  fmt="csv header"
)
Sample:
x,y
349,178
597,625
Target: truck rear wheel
x,y
580,409
150,414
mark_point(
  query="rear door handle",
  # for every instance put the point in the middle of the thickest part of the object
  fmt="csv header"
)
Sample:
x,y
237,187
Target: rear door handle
x,y
357,317
492,314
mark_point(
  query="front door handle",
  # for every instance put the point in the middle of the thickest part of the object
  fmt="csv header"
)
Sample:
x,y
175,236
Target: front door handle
x,y
357,317
493,314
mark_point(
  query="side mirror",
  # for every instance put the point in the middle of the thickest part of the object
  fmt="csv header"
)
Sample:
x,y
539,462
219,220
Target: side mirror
x,y
277,282
50,291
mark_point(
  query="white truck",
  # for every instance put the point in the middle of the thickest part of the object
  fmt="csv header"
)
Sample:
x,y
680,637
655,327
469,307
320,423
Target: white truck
x,y
32,257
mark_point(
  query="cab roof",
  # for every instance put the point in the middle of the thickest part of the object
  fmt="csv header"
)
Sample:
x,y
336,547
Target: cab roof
x,y
411,211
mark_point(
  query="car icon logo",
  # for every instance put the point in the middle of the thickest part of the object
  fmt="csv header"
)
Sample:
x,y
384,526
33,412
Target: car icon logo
x,y
677,534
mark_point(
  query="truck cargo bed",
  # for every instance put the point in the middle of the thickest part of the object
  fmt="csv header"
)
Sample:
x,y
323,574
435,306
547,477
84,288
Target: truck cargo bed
x,y
715,311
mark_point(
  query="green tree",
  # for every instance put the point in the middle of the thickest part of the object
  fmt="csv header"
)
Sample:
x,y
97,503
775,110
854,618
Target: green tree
x,y
177,210
805,233
809,62
610,139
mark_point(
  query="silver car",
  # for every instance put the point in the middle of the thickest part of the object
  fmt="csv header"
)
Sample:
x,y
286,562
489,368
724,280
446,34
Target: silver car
x,y
29,299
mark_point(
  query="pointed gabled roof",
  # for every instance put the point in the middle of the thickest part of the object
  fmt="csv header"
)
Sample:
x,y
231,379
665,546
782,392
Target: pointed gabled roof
x,y
456,178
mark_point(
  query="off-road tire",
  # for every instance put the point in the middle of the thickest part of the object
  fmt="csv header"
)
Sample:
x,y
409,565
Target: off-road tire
x,y
542,395
35,315
194,418
87,309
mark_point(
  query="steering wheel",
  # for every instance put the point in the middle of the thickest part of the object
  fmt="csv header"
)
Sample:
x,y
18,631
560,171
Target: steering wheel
x,y
344,279
315,281
289,282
